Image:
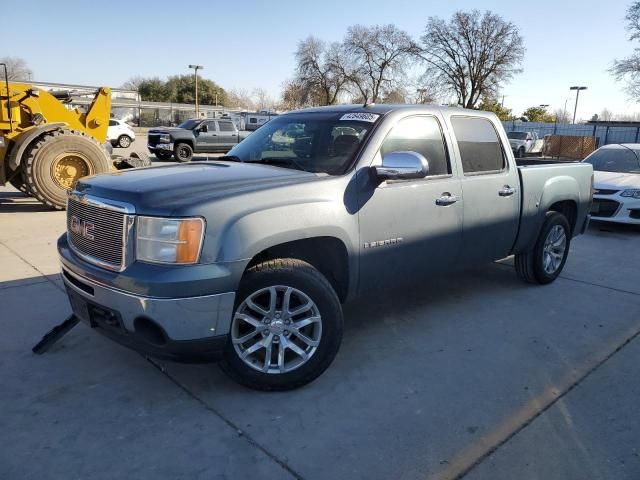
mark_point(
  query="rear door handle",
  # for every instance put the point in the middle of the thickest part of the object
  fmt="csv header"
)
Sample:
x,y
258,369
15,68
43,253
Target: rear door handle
x,y
506,191
447,199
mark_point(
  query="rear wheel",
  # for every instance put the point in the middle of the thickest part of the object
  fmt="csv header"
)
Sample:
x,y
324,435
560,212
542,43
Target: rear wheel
x,y
54,163
183,152
545,262
286,329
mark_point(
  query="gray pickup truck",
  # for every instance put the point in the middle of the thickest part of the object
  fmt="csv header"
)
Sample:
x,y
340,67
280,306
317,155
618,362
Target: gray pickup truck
x,y
248,258
195,135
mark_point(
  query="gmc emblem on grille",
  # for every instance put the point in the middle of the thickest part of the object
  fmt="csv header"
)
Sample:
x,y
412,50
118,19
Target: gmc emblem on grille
x,y
82,228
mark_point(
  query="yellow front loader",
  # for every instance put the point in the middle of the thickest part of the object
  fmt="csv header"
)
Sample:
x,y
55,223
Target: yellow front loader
x,y
46,147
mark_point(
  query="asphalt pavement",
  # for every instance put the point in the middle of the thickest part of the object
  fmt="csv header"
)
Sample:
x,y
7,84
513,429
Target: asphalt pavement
x,y
476,375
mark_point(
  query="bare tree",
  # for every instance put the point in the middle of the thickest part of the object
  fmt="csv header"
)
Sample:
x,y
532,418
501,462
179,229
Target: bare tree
x,y
133,83
296,94
628,69
17,69
473,54
562,115
240,98
320,69
606,115
261,99
376,59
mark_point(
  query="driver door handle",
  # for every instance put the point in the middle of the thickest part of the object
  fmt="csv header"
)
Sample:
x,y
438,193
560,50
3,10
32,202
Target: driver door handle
x,y
506,191
447,199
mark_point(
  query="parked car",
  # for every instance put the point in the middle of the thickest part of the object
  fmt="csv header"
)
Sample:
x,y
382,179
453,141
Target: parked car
x,y
120,134
523,143
616,197
249,258
195,135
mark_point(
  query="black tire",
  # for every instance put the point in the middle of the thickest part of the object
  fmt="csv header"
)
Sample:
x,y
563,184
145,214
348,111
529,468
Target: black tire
x,y
124,141
164,156
39,158
530,265
183,152
304,277
17,181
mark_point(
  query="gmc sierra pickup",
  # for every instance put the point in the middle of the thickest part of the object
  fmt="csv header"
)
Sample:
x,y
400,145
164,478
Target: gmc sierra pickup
x,y
249,257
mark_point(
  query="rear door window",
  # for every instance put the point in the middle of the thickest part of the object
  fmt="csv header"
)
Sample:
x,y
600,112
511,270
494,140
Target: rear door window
x,y
225,126
479,145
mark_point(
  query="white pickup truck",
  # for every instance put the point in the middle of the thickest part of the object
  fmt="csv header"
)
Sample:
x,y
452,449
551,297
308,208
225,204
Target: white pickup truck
x,y
523,143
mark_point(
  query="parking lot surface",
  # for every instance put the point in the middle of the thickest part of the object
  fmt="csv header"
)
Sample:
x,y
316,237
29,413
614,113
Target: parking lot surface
x,y
475,375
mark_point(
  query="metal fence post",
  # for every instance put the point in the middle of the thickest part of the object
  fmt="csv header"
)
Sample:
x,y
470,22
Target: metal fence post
x,y
606,135
637,132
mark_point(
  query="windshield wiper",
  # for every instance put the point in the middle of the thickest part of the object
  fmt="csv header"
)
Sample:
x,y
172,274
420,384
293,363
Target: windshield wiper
x,y
285,161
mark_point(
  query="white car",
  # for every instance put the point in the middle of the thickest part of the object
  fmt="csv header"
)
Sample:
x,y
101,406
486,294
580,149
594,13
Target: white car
x,y
616,183
119,134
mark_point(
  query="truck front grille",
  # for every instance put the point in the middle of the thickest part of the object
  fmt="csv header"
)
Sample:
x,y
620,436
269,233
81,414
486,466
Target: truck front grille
x,y
97,232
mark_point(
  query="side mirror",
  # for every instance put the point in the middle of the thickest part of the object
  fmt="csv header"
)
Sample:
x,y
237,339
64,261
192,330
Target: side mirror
x,y
402,165
204,128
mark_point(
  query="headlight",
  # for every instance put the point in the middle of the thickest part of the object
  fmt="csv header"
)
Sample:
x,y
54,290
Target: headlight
x,y
169,240
635,193
165,139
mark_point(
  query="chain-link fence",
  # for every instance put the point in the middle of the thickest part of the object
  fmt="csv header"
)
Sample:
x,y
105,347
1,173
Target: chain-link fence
x,y
604,134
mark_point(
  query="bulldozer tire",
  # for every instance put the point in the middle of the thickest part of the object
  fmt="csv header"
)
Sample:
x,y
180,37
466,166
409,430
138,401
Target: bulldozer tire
x,y
18,182
136,160
56,160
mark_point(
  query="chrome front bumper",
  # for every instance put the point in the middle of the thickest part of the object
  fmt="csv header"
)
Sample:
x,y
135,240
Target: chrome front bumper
x,y
181,319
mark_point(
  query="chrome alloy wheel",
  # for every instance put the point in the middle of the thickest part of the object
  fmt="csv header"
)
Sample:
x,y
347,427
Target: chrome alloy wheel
x,y
276,329
554,249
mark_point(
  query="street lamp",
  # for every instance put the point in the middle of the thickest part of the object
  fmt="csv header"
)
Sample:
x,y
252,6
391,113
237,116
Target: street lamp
x,y
195,68
575,109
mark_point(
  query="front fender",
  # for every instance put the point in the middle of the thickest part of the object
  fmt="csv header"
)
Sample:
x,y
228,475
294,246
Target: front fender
x,y
251,233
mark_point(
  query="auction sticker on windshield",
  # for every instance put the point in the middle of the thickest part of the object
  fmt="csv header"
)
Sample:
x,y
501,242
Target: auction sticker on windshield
x,y
362,117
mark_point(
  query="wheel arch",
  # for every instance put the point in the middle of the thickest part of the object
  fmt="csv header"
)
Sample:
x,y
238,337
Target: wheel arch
x,y
21,144
329,255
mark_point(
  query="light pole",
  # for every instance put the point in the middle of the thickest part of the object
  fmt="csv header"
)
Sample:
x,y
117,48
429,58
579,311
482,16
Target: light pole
x,y
575,109
195,68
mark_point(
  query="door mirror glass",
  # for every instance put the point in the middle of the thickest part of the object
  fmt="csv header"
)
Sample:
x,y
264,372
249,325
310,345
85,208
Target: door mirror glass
x,y
402,165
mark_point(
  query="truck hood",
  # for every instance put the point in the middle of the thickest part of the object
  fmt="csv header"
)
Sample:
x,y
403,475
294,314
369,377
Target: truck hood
x,y
615,180
168,190
167,130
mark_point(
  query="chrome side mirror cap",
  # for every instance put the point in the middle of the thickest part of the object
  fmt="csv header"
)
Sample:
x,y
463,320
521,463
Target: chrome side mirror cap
x,y
402,165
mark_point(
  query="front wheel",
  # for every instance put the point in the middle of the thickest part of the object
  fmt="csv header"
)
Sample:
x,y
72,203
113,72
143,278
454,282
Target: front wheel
x,y
124,141
545,262
183,152
286,328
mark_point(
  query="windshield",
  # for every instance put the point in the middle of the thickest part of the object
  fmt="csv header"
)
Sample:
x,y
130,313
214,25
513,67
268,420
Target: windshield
x,y
313,142
517,135
189,124
621,160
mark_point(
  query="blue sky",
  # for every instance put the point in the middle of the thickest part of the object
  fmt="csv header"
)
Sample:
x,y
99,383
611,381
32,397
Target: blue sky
x,y
248,43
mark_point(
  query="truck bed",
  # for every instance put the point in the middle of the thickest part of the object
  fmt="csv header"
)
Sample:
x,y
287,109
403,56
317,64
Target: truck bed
x,y
543,183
